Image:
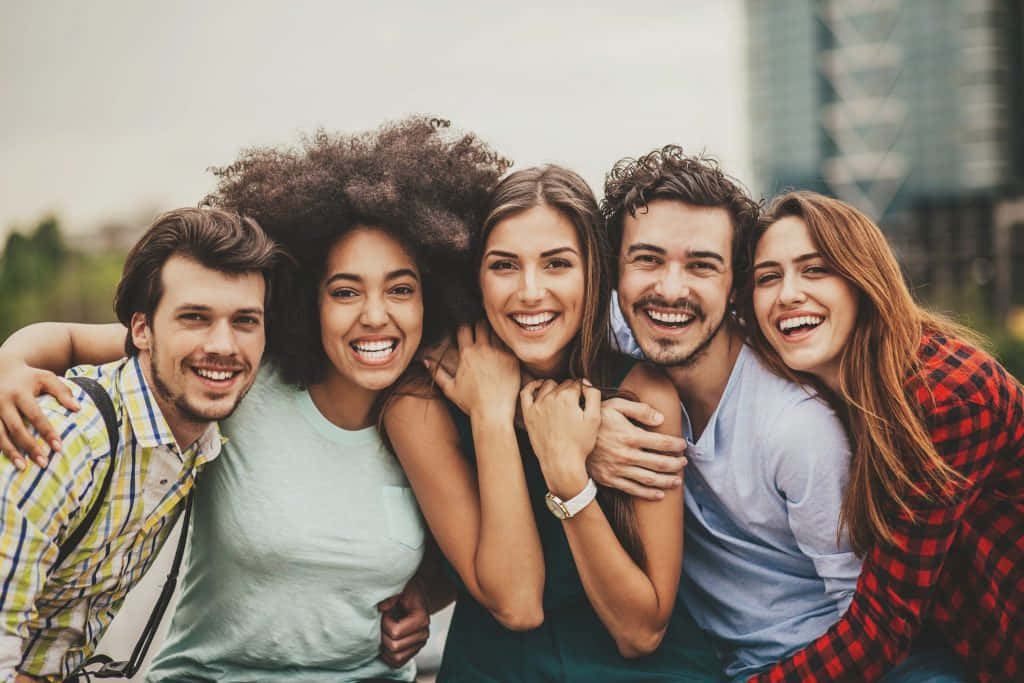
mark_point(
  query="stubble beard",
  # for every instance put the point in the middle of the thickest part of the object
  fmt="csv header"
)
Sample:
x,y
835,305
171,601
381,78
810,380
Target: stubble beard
x,y
184,409
665,358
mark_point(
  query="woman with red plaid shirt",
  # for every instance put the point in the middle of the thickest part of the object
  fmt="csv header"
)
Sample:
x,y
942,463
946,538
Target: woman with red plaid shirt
x,y
935,504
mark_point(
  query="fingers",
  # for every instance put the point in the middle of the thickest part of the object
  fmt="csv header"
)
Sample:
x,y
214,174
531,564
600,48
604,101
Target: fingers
x,y
9,450
634,489
51,384
657,463
464,336
402,638
48,437
387,603
442,377
19,439
662,443
527,395
592,404
482,331
546,387
636,411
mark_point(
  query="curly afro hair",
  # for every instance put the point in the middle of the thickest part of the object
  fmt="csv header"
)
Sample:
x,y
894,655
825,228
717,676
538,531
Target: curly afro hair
x,y
425,186
668,173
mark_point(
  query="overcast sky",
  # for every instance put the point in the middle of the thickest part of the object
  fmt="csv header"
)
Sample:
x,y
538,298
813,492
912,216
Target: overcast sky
x,y
115,107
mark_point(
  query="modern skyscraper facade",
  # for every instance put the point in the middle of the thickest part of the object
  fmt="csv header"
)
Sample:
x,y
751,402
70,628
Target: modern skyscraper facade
x,y
884,103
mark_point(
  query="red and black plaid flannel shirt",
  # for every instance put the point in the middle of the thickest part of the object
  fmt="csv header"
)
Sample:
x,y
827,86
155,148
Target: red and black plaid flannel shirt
x,y
962,570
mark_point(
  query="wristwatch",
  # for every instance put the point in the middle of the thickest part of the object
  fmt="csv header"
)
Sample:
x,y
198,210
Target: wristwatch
x,y
564,509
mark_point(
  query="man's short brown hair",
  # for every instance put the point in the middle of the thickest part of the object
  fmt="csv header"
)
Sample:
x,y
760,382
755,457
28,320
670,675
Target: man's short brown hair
x,y
219,240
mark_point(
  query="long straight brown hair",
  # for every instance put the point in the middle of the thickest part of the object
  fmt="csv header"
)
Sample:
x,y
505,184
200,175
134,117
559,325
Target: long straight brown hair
x,y
893,456
590,355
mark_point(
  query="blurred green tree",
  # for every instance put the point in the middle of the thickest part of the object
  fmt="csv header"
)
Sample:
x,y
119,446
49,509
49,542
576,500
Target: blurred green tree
x,y
42,278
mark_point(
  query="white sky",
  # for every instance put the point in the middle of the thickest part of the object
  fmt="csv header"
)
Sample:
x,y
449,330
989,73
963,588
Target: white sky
x,y
110,107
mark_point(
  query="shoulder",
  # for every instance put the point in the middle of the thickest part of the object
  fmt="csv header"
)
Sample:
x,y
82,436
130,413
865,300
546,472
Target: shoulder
x,y
953,371
651,385
407,412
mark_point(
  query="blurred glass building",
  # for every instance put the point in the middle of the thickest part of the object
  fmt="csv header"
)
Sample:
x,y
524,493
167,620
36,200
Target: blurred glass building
x,y
911,110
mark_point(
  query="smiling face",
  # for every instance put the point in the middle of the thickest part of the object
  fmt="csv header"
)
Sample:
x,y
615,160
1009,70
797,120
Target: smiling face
x,y
805,310
371,309
531,280
675,278
203,343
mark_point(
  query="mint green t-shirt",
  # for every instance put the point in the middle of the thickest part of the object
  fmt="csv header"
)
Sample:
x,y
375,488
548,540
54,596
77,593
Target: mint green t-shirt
x,y
298,532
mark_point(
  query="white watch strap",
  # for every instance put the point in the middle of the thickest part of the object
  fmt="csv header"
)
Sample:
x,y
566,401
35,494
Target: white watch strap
x,y
581,499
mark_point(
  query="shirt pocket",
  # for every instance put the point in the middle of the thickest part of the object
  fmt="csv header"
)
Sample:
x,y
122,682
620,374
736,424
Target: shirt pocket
x,y
403,516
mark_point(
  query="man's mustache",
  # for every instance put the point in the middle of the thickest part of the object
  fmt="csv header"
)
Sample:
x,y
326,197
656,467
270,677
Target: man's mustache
x,y
679,306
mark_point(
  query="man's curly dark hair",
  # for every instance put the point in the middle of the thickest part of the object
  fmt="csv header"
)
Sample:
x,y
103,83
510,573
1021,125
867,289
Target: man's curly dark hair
x,y
668,173
412,178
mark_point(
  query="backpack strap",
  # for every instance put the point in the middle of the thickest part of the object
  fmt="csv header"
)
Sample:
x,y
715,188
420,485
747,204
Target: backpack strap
x,y
102,400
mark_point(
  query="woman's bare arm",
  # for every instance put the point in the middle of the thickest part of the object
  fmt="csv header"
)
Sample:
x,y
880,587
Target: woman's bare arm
x,y
29,359
633,601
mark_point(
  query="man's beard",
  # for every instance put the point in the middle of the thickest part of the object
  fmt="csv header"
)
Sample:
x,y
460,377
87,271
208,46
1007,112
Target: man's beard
x,y
180,403
680,307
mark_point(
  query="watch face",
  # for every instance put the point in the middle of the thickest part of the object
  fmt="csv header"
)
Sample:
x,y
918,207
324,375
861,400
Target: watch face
x,y
556,506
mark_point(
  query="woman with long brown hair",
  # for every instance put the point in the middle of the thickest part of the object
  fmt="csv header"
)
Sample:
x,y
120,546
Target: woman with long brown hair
x,y
501,473
935,503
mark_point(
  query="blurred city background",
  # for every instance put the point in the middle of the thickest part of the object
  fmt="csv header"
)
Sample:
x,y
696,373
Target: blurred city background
x,y
908,109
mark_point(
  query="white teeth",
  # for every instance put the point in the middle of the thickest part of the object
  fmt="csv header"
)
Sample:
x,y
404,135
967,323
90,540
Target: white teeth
x,y
375,350
216,375
671,318
790,323
534,319
370,346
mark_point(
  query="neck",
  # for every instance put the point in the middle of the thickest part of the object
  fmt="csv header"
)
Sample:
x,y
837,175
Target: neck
x,y
343,403
700,386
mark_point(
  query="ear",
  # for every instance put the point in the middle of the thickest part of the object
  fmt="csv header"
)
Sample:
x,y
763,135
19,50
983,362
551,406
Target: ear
x,y
141,332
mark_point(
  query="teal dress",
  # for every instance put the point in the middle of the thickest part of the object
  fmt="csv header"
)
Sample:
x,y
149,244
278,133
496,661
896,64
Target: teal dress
x,y
572,645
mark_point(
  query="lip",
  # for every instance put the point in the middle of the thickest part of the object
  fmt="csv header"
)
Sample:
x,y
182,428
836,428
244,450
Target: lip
x,y
535,331
799,335
218,384
664,328
375,358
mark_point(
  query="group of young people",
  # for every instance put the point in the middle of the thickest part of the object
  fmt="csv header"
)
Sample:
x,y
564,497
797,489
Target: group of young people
x,y
492,386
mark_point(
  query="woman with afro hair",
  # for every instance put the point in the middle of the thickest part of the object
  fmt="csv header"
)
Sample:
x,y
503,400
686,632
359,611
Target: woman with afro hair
x,y
305,529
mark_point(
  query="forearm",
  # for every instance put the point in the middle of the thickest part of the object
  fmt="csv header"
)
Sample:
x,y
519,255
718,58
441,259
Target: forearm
x,y
509,561
626,599
435,584
59,346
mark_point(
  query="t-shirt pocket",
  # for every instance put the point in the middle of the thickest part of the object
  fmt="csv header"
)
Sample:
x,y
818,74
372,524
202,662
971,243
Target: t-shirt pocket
x,y
403,515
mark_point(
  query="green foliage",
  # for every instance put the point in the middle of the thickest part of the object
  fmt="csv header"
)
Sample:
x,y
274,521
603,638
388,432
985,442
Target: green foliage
x,y
41,278
1010,352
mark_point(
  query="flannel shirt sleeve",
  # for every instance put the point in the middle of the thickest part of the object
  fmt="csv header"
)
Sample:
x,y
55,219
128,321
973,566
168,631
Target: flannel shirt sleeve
x,y
896,584
38,506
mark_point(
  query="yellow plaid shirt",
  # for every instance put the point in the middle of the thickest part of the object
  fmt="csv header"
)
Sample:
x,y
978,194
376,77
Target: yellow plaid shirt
x,y
53,617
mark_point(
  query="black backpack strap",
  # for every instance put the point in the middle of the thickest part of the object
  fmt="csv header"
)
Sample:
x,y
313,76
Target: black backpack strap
x,y
102,400
108,668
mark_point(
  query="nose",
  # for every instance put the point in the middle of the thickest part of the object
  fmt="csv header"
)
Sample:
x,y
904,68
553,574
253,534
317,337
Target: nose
x,y
220,339
531,290
673,284
791,292
374,313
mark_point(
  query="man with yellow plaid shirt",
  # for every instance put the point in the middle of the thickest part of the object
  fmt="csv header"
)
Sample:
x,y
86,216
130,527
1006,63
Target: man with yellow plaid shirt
x,y
192,294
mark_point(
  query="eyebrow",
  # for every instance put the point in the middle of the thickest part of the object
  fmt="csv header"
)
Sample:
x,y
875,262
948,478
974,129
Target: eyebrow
x,y
799,259
543,254
642,246
394,274
258,310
